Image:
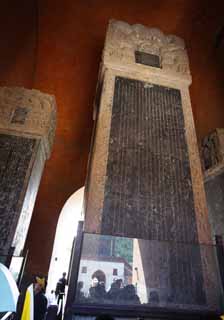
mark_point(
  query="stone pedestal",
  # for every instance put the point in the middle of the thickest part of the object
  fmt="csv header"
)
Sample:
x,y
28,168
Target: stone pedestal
x,y
27,128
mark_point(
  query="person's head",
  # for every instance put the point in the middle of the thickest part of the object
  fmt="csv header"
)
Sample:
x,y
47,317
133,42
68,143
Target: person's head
x,y
64,274
153,296
130,289
95,282
39,285
119,282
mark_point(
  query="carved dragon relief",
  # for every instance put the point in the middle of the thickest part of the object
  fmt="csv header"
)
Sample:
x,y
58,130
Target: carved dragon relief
x,y
28,112
123,40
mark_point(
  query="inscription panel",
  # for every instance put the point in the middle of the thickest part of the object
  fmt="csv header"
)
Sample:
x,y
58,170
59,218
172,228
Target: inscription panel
x,y
19,115
147,59
15,157
148,190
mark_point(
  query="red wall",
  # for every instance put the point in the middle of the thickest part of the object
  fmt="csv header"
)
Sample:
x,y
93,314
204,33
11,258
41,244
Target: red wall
x,y
55,46
18,43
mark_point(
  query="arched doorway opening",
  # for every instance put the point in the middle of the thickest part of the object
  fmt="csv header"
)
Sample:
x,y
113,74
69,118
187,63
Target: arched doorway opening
x,y
66,231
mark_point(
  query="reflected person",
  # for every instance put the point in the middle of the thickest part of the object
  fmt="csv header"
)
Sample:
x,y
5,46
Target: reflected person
x,y
128,295
153,297
114,290
97,290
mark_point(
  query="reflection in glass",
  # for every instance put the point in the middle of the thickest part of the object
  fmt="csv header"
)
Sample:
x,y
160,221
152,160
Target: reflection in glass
x,y
124,271
15,267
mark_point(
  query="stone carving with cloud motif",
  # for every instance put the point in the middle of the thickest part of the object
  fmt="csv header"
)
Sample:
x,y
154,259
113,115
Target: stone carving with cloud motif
x,y
123,40
28,112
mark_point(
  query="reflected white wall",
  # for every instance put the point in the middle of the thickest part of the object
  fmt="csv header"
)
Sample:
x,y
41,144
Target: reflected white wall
x,y
106,266
65,233
138,277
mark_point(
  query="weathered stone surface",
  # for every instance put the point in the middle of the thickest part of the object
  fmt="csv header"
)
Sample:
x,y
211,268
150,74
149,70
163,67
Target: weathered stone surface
x,y
111,68
148,192
28,112
215,199
123,40
27,128
212,153
173,270
15,156
145,175
31,184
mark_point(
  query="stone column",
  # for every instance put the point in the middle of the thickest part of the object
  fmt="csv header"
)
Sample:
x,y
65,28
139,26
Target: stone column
x,y
212,151
27,128
145,179
145,79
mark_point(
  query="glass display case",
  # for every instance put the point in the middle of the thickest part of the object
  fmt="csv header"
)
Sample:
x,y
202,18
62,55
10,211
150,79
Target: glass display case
x,y
146,274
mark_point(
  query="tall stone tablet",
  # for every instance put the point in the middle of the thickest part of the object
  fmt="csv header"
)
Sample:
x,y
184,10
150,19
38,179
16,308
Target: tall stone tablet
x,y
145,179
27,128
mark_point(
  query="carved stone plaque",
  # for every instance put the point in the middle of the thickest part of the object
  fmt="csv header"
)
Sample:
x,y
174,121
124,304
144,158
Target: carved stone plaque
x,y
147,59
19,115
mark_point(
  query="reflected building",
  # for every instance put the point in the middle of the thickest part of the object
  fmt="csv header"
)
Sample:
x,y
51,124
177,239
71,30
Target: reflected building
x,y
101,260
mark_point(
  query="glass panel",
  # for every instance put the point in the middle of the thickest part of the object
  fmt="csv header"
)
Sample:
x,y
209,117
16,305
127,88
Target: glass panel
x,y
15,267
3,259
149,273
15,264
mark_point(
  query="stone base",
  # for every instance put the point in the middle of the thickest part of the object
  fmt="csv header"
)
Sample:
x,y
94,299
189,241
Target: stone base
x,y
92,313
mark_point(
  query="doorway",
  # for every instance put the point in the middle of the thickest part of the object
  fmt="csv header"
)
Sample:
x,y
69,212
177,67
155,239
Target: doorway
x,y
66,231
